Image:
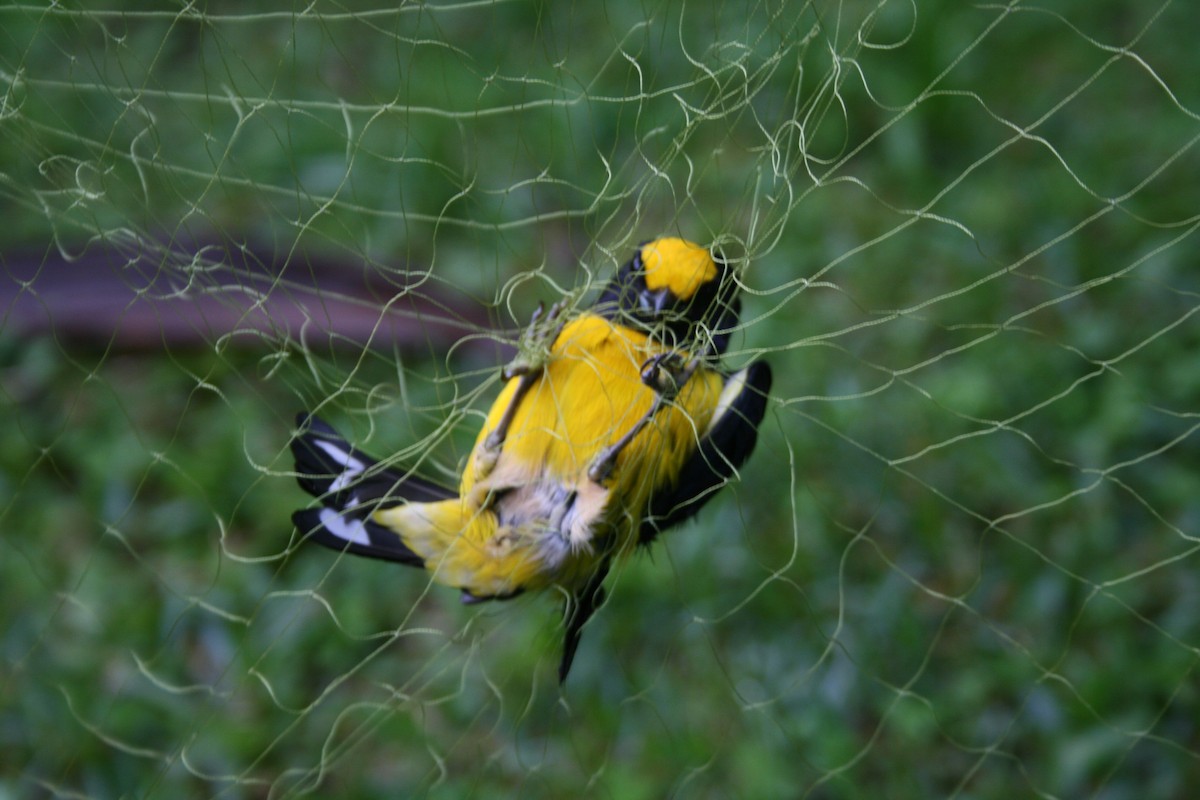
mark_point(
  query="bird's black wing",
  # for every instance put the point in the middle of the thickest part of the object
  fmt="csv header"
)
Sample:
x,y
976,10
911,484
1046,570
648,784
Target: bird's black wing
x,y
351,486
578,611
723,448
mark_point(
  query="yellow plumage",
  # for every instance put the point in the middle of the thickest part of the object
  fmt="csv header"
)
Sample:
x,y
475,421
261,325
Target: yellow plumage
x,y
677,265
508,529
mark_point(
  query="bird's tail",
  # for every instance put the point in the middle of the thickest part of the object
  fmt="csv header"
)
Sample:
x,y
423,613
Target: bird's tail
x,y
352,487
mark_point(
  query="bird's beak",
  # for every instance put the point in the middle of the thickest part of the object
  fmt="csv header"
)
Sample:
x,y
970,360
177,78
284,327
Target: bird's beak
x,y
653,303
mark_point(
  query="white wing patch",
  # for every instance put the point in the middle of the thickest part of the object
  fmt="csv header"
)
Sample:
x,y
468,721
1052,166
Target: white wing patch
x,y
351,466
352,530
733,388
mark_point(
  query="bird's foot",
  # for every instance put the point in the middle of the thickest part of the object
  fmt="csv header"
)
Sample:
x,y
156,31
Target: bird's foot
x,y
666,374
533,352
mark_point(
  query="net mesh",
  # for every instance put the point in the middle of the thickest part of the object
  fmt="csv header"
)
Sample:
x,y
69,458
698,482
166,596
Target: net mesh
x,y
962,561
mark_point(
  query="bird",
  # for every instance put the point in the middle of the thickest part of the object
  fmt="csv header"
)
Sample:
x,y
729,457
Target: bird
x,y
615,423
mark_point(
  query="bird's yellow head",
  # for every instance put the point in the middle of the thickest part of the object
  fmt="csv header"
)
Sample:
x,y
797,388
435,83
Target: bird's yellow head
x,y
678,266
678,290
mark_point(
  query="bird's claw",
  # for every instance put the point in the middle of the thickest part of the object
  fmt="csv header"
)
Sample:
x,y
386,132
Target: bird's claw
x,y
533,350
666,373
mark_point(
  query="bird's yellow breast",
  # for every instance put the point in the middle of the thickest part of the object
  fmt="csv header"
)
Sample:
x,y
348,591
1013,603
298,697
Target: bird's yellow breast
x,y
588,395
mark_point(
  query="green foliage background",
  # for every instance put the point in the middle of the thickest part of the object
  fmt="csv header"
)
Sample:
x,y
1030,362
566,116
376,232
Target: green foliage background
x,y
961,563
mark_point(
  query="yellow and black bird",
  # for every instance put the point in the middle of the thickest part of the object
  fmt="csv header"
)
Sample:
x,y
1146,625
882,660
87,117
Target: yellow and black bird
x,y
613,425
